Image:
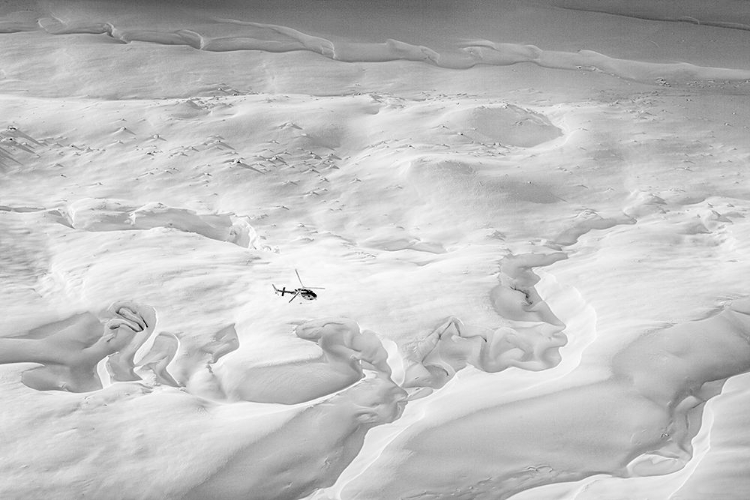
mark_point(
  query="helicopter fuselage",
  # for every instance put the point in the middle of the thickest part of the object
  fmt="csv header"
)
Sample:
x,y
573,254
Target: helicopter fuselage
x,y
305,293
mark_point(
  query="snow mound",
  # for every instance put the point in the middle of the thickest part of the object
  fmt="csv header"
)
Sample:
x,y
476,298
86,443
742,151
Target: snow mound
x,y
508,124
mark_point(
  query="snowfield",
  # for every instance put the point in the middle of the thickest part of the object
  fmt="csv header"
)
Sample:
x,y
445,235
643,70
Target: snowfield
x,y
527,225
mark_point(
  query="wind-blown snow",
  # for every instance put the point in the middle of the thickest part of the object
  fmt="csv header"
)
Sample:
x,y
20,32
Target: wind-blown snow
x,y
525,224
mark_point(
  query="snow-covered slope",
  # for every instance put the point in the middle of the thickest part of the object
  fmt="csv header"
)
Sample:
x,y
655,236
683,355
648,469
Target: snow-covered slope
x,y
528,221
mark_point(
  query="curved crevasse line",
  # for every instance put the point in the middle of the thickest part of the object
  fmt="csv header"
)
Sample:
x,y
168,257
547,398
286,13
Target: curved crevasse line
x,y
346,353
304,41
390,50
500,54
55,26
633,13
457,339
88,214
278,39
638,422
589,220
83,353
531,340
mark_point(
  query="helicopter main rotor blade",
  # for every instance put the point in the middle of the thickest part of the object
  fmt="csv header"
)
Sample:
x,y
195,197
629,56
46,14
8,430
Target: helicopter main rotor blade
x,y
293,297
314,288
300,279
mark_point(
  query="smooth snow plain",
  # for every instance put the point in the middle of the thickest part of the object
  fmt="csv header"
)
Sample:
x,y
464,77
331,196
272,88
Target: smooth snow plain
x,y
529,221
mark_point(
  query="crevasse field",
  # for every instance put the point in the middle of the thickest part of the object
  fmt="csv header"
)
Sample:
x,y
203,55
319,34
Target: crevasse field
x,y
527,225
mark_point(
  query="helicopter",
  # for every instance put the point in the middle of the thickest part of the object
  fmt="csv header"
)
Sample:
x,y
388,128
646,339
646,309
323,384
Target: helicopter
x,y
304,292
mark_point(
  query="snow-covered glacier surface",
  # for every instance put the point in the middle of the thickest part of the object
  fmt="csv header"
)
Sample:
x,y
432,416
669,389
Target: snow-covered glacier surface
x,y
523,228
